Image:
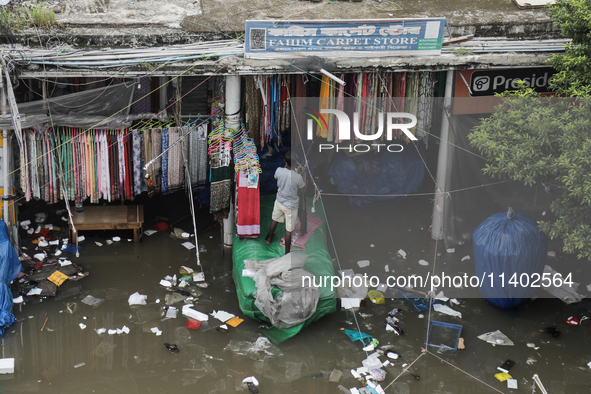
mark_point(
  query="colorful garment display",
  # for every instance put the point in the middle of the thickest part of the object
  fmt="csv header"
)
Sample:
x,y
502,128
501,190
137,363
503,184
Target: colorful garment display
x,y
370,94
76,164
275,114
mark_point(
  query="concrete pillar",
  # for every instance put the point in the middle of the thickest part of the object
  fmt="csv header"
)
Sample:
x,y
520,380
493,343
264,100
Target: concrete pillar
x,y
439,206
232,123
5,170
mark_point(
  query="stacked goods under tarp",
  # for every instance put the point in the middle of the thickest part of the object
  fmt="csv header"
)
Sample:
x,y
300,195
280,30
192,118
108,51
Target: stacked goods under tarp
x,y
372,175
318,263
508,245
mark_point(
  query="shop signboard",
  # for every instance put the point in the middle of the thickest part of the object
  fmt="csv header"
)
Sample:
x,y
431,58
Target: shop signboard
x,y
343,38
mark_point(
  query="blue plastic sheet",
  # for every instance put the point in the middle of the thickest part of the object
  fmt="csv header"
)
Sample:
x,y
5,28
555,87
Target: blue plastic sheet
x,y
379,173
509,249
358,336
10,266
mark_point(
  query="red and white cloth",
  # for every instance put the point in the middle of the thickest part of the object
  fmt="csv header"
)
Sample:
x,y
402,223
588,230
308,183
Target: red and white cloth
x,y
248,205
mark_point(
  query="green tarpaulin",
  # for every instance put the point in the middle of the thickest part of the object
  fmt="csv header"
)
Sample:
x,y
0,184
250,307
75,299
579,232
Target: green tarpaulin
x,y
319,263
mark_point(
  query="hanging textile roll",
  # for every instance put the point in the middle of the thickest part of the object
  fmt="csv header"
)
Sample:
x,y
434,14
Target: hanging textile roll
x,y
323,104
129,195
340,105
219,148
141,93
164,187
138,162
198,156
147,156
248,209
331,104
425,103
156,151
247,203
253,102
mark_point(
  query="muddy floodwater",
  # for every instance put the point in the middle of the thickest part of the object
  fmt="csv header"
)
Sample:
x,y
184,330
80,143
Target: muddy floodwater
x,y
53,354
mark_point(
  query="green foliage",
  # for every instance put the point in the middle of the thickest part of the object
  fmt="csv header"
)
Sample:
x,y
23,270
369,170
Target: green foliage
x,y
461,51
41,16
18,18
150,66
539,140
574,69
11,19
547,141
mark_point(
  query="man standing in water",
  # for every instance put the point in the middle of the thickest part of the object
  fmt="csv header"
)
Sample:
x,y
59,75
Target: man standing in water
x,y
285,210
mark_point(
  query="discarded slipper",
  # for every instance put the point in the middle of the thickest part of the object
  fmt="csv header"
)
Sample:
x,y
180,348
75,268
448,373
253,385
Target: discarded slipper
x,y
172,347
252,388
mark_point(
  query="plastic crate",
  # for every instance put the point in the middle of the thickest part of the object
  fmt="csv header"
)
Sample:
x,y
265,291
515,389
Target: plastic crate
x,y
444,336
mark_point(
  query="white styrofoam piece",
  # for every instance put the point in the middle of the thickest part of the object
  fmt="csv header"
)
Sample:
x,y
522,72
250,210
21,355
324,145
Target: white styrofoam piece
x,y
6,365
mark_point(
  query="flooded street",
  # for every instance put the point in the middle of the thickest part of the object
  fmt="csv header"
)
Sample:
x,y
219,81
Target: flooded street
x,y
54,355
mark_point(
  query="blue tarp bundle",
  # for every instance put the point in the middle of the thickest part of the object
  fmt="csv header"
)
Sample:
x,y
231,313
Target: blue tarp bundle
x,y
511,245
379,173
10,266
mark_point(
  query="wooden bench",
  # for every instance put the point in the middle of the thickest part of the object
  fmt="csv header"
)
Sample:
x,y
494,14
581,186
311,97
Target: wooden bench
x,y
113,217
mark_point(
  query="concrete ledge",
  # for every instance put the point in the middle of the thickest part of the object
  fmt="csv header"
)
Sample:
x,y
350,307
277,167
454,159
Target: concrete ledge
x,y
239,65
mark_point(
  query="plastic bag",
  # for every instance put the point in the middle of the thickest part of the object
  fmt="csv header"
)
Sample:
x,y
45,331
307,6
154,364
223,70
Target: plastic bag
x,y
137,299
373,361
358,336
92,301
566,292
72,249
496,338
193,324
262,348
508,243
295,304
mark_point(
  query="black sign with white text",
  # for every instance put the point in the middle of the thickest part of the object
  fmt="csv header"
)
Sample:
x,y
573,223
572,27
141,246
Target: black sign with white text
x,y
489,82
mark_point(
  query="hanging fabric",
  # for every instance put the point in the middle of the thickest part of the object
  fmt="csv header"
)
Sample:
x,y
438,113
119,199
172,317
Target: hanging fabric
x,y
247,203
219,143
178,149
77,164
141,97
425,104
322,130
198,156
